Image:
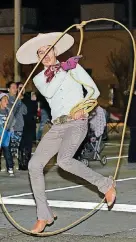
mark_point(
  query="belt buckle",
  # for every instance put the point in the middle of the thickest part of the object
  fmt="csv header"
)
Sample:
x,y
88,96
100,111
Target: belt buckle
x,y
63,119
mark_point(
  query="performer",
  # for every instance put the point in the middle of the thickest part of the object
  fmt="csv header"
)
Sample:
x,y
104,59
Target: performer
x,y
62,92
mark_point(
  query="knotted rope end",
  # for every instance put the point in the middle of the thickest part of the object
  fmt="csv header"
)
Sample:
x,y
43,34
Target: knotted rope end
x,y
81,25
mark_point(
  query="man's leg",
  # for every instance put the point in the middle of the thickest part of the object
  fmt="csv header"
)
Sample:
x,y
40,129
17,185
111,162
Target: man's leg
x,y
46,149
74,135
8,157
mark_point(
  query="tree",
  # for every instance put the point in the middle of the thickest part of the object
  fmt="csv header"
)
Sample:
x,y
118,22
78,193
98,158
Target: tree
x,y
7,69
119,65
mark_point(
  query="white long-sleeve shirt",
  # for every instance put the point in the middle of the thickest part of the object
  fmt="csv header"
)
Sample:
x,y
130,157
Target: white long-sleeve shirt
x,y
63,92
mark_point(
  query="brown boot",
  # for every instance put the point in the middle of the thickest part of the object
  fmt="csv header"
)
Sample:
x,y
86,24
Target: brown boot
x,y
110,196
41,224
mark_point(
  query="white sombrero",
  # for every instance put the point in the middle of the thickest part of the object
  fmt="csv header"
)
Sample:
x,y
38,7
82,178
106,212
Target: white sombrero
x,y
27,53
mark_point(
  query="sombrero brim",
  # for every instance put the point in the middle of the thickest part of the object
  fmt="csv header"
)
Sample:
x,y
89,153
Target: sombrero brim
x,y
27,53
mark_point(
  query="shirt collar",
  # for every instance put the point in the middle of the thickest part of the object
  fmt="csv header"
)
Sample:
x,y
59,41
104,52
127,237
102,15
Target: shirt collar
x,y
45,68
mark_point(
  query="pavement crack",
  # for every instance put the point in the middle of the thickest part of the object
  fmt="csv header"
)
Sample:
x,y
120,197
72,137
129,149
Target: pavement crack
x,y
117,233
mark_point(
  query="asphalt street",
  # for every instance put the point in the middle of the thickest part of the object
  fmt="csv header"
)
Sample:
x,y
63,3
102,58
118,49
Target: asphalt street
x,y
71,198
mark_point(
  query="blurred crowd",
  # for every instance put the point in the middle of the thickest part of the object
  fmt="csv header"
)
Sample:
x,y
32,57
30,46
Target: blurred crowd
x,y
26,124
21,131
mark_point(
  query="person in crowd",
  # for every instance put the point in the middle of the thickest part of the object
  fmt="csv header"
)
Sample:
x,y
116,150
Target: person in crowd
x,y
44,116
20,112
131,122
12,92
5,142
29,130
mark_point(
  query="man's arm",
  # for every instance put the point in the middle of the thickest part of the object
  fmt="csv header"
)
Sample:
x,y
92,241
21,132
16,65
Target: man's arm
x,y
11,121
24,108
87,82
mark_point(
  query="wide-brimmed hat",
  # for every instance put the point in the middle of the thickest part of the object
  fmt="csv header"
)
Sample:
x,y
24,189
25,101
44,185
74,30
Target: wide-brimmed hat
x,y
27,53
2,94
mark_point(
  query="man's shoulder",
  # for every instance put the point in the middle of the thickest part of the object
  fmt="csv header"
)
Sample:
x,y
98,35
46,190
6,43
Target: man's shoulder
x,y
38,76
78,68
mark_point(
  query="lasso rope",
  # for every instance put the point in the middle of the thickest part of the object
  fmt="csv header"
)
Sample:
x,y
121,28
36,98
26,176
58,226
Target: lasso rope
x,y
80,27
88,104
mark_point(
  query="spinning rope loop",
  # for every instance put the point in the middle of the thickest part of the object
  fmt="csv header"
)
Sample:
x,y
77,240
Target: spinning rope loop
x,y
85,104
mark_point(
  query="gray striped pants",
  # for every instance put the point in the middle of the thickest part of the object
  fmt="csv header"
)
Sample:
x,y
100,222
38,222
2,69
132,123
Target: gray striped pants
x,y
63,139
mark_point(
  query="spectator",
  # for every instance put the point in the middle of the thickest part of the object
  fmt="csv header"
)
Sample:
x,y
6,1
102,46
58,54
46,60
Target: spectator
x,y
29,131
12,89
4,111
19,113
132,125
44,118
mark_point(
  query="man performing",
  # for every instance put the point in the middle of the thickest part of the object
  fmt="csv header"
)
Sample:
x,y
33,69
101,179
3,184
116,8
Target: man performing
x,y
57,85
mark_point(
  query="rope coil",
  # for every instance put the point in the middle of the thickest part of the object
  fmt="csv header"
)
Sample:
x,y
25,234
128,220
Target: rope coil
x,y
81,105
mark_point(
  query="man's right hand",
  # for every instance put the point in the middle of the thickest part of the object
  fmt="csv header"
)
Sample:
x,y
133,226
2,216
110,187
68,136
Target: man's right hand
x,y
78,115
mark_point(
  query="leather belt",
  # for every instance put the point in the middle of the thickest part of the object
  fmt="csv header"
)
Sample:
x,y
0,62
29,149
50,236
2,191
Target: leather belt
x,y
62,119
65,118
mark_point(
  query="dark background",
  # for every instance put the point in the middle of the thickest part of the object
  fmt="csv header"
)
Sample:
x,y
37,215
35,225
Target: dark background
x,y
58,15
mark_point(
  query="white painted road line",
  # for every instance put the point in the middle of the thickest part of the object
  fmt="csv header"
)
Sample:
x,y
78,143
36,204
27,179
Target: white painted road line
x,y
126,179
51,190
72,204
116,157
115,144
65,188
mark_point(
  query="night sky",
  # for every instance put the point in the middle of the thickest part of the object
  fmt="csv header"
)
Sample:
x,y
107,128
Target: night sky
x,y
60,14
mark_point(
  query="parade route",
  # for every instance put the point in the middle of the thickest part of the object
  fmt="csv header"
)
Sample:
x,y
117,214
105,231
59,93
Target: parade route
x,y
71,198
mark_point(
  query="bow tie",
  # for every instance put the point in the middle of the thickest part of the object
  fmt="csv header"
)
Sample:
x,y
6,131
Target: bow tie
x,y
67,65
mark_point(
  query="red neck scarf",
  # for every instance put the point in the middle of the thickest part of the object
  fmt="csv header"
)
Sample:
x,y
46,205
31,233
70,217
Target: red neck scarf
x,y
67,65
